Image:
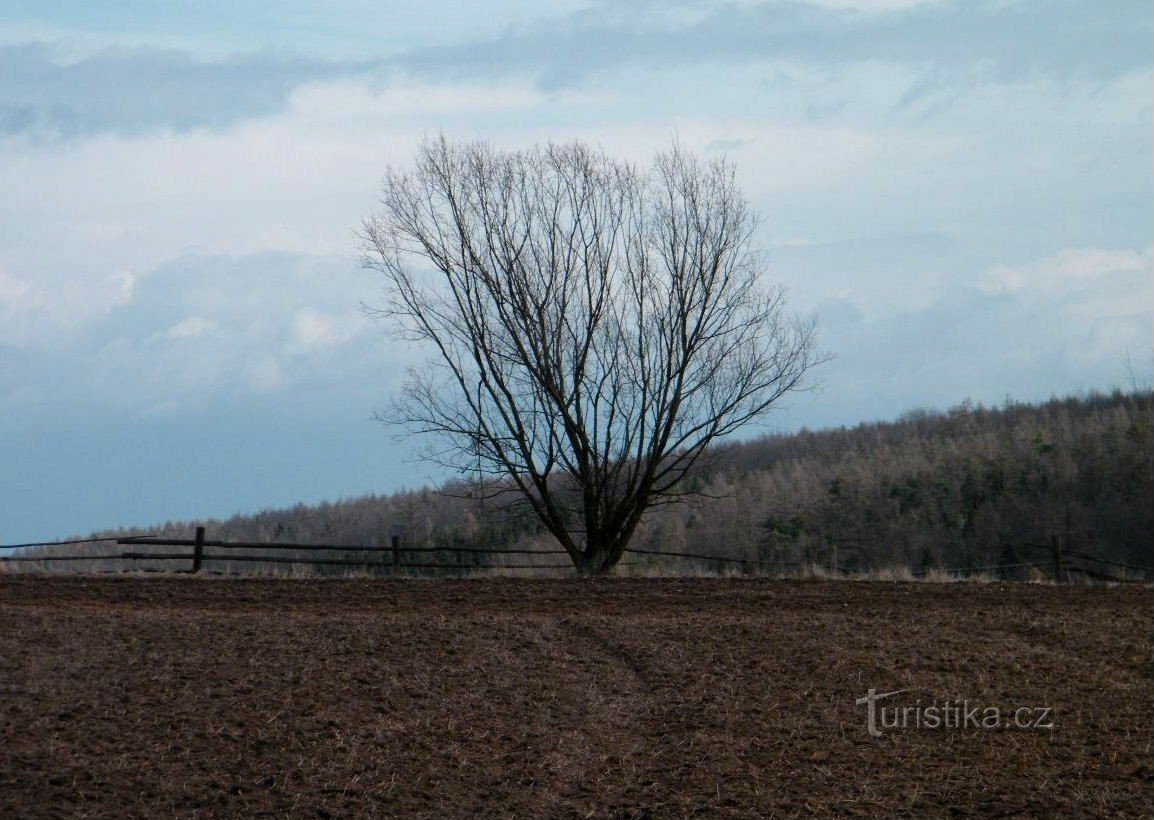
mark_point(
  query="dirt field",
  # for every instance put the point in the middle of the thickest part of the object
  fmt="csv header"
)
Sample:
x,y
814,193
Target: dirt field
x,y
155,697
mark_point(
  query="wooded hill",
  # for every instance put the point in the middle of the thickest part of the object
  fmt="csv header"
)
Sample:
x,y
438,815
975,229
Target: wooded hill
x,y
970,487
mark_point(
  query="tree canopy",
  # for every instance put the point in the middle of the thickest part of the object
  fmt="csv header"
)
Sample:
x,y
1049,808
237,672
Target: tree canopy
x,y
595,327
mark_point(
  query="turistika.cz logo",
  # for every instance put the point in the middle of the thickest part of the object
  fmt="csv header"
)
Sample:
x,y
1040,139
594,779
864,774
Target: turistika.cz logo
x,y
948,715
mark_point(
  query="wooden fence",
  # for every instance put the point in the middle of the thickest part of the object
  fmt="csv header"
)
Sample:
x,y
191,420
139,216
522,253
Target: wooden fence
x,y
1062,564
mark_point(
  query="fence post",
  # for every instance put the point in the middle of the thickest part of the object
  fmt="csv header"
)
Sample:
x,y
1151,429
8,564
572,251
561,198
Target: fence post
x,y
198,550
1056,548
396,544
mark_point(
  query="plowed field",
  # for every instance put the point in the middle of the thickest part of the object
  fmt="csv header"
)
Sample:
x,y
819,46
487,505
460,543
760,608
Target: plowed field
x,y
177,696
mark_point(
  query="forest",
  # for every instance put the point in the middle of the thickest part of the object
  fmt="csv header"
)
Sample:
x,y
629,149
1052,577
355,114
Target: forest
x,y
969,487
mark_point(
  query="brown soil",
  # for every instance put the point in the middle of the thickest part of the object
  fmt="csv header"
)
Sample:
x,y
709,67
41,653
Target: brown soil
x,y
155,697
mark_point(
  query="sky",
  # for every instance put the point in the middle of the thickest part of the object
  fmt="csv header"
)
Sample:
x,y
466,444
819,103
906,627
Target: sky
x,y
960,190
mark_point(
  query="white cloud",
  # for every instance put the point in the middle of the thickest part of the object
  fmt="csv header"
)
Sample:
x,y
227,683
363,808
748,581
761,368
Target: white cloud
x,y
191,327
1069,269
312,329
364,100
201,330
874,6
13,292
263,373
49,310
1069,323
299,181
1089,306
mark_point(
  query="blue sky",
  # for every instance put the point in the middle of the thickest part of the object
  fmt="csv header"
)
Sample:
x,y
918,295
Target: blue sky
x,y
961,190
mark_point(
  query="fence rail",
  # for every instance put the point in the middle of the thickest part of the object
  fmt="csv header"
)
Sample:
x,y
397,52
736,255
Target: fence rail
x,y
392,557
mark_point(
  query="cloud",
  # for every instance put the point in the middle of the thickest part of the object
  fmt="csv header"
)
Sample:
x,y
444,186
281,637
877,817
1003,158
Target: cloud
x,y
139,253
300,180
369,98
130,91
46,92
723,145
1067,323
202,330
872,277
1068,270
41,312
313,330
191,327
1100,298
997,40
874,6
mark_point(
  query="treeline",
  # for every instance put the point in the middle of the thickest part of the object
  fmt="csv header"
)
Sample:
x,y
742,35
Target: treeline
x,y
973,486
970,487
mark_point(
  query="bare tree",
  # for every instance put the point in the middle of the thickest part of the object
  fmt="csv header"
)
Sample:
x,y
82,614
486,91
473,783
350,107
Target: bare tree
x,y
596,327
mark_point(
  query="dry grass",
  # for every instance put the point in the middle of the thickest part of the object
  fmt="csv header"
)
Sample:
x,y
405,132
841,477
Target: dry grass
x,y
634,566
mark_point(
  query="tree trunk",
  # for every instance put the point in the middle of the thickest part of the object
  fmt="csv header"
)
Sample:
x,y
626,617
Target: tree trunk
x,y
605,546
597,559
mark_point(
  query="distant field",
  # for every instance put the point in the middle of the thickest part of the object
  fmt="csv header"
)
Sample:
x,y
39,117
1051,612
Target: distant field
x,y
162,696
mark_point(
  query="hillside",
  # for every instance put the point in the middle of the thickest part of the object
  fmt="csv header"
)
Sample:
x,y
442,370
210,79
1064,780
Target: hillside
x,y
969,487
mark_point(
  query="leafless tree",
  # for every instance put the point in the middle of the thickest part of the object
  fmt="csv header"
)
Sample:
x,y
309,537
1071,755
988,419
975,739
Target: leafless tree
x,y
596,326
